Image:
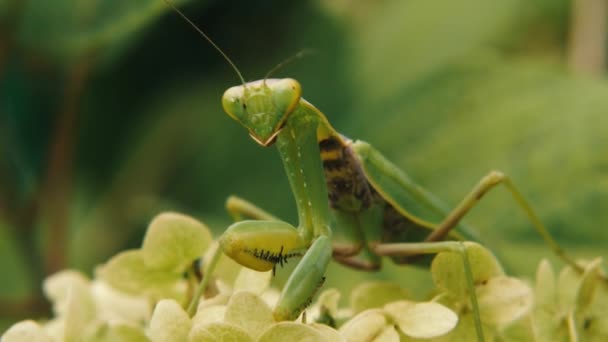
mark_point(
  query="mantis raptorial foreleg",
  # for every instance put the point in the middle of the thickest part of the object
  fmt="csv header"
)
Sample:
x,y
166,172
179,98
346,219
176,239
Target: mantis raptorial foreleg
x,y
262,244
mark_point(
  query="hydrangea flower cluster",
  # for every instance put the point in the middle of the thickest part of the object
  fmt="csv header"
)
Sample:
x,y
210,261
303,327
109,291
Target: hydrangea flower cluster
x,y
141,295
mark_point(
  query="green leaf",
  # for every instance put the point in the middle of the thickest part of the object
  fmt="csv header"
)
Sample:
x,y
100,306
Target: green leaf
x,y
249,312
503,300
169,322
364,326
127,272
173,241
448,270
73,29
422,320
290,331
495,109
25,331
375,294
217,331
433,33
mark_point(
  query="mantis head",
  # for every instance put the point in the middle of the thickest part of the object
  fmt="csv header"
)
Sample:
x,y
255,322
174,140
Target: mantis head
x,y
263,106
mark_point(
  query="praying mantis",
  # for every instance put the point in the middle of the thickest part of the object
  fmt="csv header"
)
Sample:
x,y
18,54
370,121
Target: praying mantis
x,y
353,204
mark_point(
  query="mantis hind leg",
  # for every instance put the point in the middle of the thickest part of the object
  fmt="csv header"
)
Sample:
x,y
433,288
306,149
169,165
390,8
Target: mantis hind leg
x,y
487,183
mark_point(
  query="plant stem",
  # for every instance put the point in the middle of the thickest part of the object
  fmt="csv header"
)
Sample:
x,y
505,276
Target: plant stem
x,y
203,284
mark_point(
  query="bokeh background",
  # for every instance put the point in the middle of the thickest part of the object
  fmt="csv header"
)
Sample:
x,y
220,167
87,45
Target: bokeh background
x,y
110,113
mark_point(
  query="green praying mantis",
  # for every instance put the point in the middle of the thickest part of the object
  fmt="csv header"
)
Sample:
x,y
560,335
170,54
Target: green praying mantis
x,y
353,204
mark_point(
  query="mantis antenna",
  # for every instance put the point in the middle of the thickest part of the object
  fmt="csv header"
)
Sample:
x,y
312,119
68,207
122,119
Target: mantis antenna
x,y
170,4
287,61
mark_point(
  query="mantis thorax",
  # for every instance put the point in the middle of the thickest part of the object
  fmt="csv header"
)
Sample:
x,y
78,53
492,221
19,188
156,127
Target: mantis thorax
x,y
263,106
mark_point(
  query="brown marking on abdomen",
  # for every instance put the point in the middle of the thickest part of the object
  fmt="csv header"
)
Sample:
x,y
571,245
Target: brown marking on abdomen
x,y
347,186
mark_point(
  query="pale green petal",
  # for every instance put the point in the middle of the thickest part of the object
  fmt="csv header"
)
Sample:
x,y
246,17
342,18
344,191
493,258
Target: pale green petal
x,y
219,299
119,331
127,272
113,304
252,281
568,282
25,331
329,300
448,270
226,269
126,332
522,330
55,328
422,320
365,326
80,312
249,312
503,300
291,331
588,286
218,332
389,334
209,314
545,284
169,322
56,289
599,308
329,333
173,241
597,329
465,331
375,294
271,296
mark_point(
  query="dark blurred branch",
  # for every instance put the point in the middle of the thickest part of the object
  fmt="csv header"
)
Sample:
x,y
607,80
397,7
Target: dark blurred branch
x,y
588,37
13,11
59,175
7,32
29,307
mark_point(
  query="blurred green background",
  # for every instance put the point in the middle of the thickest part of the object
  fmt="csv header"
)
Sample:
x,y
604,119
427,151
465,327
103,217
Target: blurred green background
x,y
110,113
